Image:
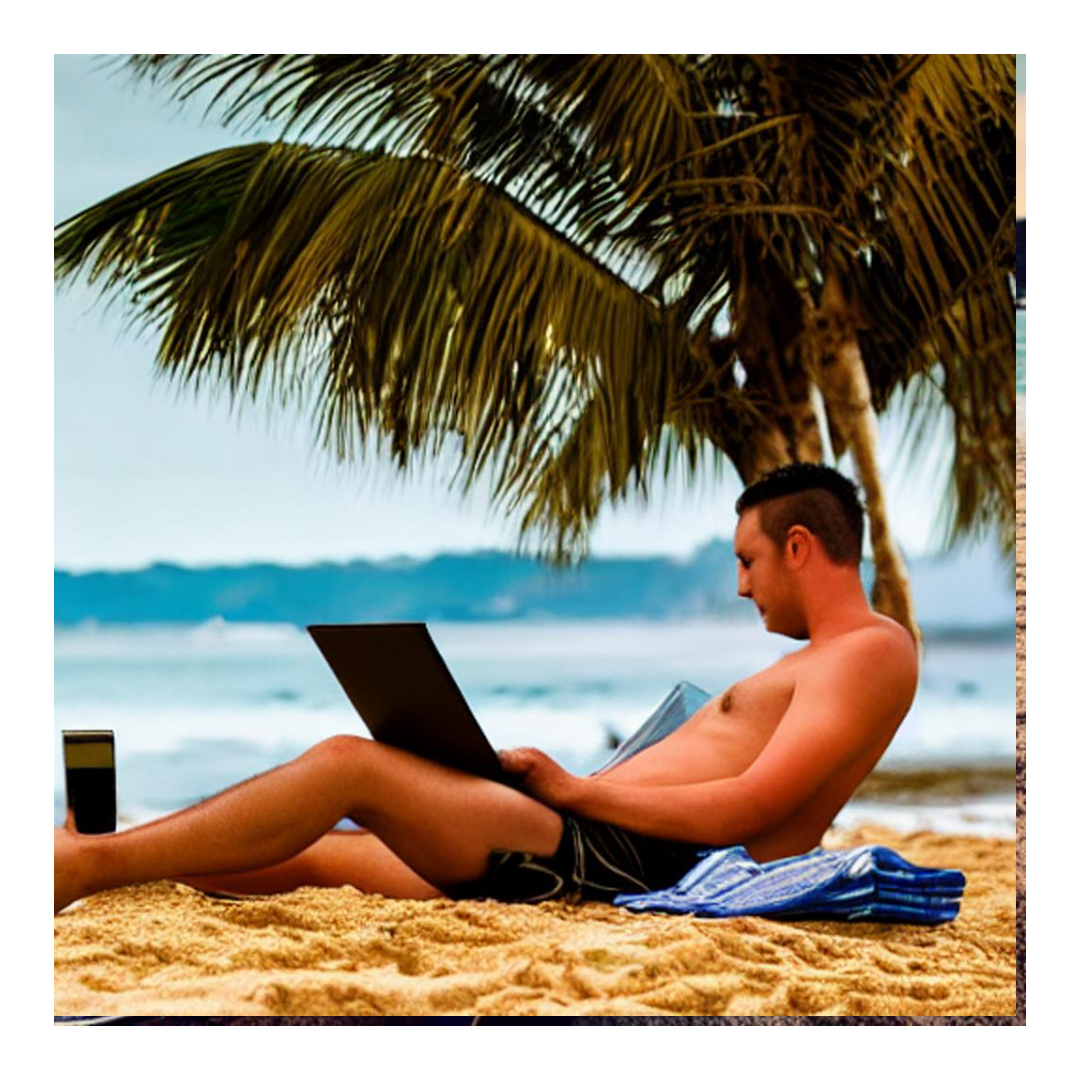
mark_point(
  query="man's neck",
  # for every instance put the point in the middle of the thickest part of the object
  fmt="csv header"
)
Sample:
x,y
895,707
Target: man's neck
x,y
837,609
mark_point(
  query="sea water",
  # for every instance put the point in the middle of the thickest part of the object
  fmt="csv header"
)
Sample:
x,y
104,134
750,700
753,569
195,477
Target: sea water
x,y
1021,351
197,708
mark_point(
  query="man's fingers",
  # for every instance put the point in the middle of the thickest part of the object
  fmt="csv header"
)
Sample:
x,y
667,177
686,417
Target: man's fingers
x,y
521,759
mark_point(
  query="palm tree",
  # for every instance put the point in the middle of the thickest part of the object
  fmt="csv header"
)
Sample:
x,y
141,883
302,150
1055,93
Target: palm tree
x,y
578,273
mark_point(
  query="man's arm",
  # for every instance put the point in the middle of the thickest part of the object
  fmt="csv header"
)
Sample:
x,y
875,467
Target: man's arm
x,y
837,712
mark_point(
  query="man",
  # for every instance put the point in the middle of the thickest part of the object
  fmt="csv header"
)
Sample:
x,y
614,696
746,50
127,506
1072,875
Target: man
x,y
767,764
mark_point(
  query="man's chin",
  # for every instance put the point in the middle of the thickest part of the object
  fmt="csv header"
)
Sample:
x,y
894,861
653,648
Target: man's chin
x,y
796,633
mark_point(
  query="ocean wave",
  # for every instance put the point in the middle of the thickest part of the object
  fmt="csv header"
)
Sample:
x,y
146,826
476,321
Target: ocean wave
x,y
216,635
564,688
977,817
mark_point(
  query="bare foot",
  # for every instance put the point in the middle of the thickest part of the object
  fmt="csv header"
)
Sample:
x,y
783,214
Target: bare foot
x,y
68,871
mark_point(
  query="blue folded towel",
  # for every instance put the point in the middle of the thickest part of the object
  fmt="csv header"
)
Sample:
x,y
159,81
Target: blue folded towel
x,y
863,883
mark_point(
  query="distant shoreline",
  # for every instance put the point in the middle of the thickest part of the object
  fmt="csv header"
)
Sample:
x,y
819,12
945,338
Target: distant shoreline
x,y
943,784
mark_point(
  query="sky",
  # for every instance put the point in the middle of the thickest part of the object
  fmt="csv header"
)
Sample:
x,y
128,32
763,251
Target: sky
x,y
145,474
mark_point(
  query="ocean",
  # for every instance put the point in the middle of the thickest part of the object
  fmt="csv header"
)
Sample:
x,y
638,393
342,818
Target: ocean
x,y
197,708
1021,351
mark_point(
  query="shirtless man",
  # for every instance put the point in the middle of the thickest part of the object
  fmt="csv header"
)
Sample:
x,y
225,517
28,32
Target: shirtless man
x,y
767,764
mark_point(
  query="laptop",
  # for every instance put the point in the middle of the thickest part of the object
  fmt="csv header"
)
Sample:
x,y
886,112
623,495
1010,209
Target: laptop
x,y
400,685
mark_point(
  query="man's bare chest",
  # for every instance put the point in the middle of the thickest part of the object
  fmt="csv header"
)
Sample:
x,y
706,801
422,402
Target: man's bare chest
x,y
744,717
722,738
757,701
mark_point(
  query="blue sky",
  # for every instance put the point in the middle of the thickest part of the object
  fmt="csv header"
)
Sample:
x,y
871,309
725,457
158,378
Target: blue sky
x,y
142,474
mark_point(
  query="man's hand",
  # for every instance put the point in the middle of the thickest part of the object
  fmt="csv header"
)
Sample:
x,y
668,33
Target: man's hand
x,y
541,777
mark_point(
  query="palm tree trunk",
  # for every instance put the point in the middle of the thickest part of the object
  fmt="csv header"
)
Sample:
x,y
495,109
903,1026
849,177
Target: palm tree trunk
x,y
846,389
768,340
758,452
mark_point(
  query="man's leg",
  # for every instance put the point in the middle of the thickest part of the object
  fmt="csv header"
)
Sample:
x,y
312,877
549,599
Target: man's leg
x,y
342,857
442,823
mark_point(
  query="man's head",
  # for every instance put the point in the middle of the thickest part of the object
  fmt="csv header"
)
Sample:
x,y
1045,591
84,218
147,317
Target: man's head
x,y
797,518
814,496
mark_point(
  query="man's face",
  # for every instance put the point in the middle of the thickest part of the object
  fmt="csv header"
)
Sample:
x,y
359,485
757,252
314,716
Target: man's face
x,y
765,578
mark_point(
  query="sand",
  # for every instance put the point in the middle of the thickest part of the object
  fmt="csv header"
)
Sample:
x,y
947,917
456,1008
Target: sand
x,y
168,950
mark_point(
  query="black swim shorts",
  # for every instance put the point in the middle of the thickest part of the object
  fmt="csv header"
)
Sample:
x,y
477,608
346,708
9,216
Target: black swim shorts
x,y
594,861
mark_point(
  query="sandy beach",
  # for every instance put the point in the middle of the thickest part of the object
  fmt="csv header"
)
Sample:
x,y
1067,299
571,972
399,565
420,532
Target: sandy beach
x,y
168,950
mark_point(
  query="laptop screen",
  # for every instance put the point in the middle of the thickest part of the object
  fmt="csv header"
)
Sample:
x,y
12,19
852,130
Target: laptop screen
x,y
400,685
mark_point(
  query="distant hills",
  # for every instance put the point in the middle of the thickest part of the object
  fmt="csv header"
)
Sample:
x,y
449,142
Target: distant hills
x,y
482,585
971,591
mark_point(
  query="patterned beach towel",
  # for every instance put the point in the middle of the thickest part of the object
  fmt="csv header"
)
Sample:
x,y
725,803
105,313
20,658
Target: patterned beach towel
x,y
864,883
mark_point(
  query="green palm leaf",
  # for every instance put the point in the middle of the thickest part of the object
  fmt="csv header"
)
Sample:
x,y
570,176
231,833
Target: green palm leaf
x,y
533,257
409,301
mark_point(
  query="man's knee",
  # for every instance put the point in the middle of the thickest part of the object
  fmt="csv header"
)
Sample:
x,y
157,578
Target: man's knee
x,y
342,751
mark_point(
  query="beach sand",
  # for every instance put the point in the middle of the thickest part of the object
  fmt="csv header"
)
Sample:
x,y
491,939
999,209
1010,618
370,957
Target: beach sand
x,y
168,950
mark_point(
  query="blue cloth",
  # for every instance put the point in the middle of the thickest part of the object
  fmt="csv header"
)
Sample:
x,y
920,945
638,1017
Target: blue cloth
x,y
864,883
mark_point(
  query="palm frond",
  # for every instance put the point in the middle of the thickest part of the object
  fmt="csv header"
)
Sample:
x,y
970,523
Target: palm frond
x,y
413,301
562,134
528,255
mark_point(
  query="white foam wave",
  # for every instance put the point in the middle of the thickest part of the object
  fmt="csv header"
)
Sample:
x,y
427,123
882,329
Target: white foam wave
x,y
979,817
155,640
164,728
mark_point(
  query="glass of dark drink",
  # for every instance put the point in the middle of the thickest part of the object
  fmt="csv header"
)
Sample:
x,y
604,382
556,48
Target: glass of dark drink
x,y
90,774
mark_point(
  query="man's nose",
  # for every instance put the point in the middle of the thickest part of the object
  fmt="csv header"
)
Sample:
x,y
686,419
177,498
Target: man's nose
x,y
744,584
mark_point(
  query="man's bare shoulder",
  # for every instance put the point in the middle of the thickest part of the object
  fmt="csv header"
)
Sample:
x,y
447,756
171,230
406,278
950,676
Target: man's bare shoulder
x,y
881,647
881,634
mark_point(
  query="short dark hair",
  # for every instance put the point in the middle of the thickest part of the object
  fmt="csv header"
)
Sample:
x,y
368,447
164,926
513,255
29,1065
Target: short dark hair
x,y
814,496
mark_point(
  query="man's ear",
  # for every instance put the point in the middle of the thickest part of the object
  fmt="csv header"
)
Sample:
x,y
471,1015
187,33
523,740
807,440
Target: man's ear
x,y
797,547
